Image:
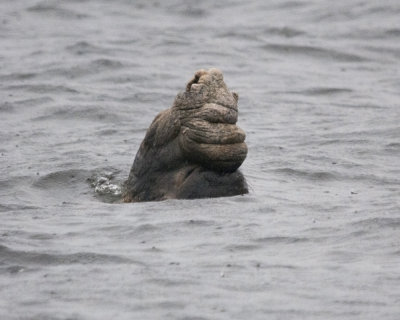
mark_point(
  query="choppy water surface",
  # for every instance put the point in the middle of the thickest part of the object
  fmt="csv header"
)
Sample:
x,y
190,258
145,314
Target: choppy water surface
x,y
318,237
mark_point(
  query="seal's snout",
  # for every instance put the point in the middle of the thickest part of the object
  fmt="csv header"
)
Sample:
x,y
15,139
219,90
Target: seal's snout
x,y
208,115
195,79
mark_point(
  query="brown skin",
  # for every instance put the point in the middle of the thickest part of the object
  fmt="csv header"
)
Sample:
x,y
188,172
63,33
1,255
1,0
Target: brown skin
x,y
193,149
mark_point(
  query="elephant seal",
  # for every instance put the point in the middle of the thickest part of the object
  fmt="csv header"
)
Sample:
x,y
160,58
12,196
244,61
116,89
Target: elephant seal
x,y
194,148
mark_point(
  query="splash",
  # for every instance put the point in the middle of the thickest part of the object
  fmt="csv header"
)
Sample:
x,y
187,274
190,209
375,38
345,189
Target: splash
x,y
105,187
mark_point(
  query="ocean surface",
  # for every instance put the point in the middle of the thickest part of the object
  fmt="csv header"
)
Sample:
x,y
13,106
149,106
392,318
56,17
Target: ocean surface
x,y
317,237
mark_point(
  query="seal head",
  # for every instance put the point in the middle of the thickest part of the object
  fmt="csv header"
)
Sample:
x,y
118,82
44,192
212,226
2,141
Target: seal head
x,y
194,148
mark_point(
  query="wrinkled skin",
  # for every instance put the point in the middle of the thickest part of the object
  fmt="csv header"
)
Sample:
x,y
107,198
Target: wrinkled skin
x,y
193,149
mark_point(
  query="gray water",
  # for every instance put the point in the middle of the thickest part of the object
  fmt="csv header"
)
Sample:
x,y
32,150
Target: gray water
x,y
318,237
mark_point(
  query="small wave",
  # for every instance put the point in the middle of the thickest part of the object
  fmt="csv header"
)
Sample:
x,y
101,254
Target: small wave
x,y
315,52
194,12
146,97
243,247
288,4
280,239
389,132
383,49
84,47
190,10
375,179
42,88
392,148
13,269
64,186
17,76
335,176
395,145
59,178
6,107
311,175
106,63
320,91
84,69
239,35
80,112
379,223
363,303
11,106
144,228
278,266
359,106
286,32
23,258
40,101
372,33
73,182
42,236
172,40
45,8
107,132
169,282
199,223
345,142
122,78
393,32
15,207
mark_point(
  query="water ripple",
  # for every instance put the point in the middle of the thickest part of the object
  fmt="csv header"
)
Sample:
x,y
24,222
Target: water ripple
x,y
314,52
312,175
78,113
281,240
17,257
44,8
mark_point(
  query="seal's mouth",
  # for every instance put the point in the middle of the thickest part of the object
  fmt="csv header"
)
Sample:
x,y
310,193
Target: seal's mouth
x,y
202,80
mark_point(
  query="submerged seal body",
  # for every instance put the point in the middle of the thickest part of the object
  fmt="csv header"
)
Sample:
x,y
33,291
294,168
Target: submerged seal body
x,y
194,148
